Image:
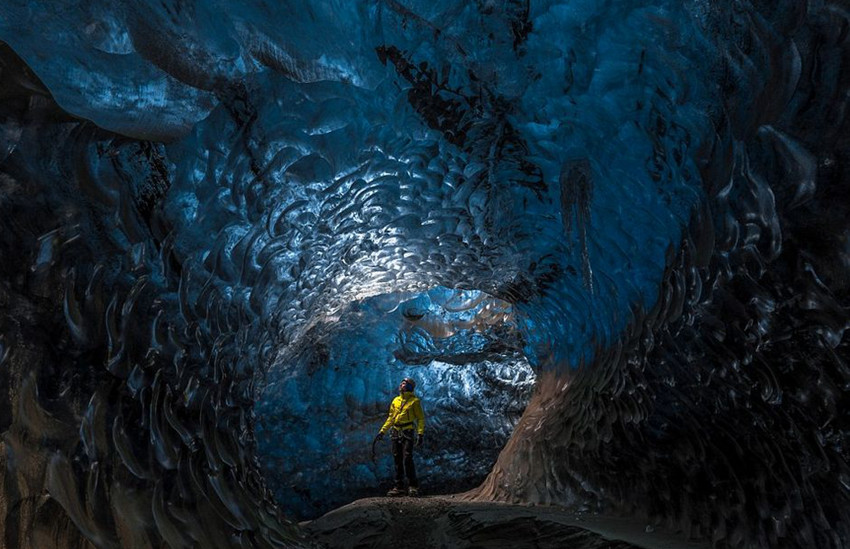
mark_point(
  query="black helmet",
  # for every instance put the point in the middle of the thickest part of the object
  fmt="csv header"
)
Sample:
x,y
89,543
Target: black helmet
x,y
409,382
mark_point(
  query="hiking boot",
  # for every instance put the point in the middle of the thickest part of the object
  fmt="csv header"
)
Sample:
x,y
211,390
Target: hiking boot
x,y
396,492
413,492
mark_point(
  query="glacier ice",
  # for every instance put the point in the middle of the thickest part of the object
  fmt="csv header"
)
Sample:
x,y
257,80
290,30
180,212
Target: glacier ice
x,y
202,205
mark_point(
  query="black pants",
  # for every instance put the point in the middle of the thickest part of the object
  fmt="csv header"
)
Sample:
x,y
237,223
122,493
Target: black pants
x,y
403,455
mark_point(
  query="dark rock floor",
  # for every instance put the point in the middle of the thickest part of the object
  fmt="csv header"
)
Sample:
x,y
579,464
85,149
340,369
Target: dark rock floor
x,y
448,522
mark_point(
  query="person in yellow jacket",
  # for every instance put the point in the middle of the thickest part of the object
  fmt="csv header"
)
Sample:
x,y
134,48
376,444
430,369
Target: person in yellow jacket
x,y
405,415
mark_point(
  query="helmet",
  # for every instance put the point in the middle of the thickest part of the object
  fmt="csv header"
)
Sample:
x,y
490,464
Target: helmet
x,y
409,382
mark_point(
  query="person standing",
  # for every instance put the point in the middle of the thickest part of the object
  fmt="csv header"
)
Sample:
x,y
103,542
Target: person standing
x,y
405,415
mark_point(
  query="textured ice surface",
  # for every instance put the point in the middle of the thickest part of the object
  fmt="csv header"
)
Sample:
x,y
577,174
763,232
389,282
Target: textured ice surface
x,y
194,195
320,409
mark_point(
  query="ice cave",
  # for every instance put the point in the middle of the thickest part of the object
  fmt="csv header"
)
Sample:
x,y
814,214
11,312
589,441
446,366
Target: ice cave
x,y
606,238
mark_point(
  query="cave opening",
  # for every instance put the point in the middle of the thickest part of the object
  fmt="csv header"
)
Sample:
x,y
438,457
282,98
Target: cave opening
x,y
325,397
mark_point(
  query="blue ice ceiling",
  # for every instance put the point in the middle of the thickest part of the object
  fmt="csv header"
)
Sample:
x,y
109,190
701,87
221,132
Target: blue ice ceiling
x,y
228,228
408,146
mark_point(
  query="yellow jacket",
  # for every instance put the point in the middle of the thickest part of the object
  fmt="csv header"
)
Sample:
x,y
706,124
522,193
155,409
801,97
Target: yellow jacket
x,y
405,411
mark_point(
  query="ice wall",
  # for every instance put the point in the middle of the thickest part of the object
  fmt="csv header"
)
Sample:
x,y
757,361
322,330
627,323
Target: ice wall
x,y
191,191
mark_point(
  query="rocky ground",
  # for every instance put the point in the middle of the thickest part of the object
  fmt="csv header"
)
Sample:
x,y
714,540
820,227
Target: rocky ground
x,y
447,522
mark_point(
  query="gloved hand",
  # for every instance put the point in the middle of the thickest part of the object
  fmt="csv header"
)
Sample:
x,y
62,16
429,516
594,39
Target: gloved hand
x,y
380,436
420,441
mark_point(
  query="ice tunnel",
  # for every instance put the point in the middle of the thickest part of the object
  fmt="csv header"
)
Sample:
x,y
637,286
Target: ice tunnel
x,y
609,240
463,349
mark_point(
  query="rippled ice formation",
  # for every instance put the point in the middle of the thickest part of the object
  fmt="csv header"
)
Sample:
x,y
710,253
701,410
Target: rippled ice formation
x,y
194,195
